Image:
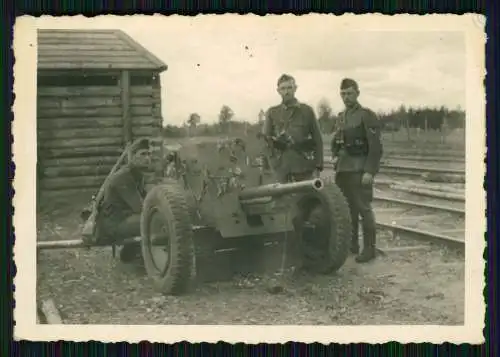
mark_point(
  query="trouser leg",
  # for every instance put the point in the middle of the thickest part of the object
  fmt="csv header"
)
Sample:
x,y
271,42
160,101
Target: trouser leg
x,y
363,198
129,228
345,182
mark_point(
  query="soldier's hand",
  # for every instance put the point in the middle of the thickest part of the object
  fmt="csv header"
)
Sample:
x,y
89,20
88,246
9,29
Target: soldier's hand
x,y
367,179
335,159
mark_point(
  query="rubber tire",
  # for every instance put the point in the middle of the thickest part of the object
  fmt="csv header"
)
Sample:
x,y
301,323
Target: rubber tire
x,y
340,229
170,201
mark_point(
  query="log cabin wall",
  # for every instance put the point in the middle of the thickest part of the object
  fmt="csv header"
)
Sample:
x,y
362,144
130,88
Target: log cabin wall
x,y
89,107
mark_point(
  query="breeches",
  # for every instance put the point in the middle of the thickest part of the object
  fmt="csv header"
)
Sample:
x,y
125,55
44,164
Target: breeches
x,y
120,230
359,198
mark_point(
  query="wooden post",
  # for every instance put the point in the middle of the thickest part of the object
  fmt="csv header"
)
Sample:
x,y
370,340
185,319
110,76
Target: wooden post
x,y
443,130
425,129
125,96
407,122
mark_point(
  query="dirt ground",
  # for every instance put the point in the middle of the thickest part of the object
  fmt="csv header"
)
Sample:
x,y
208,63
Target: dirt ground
x,y
425,286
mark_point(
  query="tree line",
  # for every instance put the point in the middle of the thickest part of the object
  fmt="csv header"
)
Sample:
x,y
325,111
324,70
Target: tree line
x,y
425,118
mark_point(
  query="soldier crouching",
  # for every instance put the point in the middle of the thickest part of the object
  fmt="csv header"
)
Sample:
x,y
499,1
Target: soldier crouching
x,y
356,151
119,212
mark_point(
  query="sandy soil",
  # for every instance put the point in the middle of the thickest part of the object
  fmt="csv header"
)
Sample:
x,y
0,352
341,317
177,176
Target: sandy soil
x,y
425,286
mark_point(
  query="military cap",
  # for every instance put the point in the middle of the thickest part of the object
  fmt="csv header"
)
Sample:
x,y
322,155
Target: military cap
x,y
285,77
142,144
347,83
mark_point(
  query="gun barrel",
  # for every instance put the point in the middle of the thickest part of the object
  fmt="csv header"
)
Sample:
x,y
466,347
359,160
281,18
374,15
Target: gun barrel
x,y
74,243
278,189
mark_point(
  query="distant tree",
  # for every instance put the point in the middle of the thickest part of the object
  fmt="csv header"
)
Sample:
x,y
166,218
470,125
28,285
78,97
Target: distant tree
x,y
193,120
325,116
172,131
226,114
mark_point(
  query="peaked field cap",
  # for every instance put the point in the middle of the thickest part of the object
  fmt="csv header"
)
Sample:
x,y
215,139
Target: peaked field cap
x,y
141,144
284,78
347,83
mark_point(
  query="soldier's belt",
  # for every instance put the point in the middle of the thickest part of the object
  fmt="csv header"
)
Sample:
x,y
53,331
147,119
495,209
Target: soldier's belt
x,y
360,150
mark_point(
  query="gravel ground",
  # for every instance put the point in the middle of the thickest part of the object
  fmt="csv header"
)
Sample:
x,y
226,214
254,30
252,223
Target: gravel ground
x,y
423,286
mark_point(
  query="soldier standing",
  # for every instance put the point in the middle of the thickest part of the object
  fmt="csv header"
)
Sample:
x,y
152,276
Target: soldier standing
x,y
356,151
296,144
293,133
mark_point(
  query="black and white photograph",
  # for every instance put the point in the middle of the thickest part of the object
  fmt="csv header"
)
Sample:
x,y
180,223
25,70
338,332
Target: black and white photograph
x,y
311,178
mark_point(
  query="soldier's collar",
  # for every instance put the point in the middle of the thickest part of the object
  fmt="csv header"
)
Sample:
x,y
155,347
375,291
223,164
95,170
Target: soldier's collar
x,y
294,104
136,173
353,108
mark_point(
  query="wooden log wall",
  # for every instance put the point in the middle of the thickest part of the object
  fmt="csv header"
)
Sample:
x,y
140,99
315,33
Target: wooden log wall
x,y
81,131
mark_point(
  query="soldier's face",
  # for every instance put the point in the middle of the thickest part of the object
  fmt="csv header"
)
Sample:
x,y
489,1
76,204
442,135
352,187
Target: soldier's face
x,y
287,90
349,96
141,159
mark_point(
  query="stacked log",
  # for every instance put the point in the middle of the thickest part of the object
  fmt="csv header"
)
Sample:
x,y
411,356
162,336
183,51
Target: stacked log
x,y
80,131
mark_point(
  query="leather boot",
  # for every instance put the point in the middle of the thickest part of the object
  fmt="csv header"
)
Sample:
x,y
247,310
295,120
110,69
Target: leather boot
x,y
130,253
369,239
367,255
354,245
355,237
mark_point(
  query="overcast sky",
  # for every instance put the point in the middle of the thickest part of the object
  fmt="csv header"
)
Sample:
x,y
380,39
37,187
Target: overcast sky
x,y
212,63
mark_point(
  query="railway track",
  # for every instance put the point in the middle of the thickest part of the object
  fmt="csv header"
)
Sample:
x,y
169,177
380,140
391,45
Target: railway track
x,y
421,220
417,204
423,211
413,170
416,158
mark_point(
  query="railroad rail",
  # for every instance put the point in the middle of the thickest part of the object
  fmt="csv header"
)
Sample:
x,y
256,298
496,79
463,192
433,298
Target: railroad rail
x,y
423,235
423,169
424,159
417,233
411,170
420,204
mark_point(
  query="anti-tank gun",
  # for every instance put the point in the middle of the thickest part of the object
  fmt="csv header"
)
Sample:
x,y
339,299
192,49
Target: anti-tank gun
x,y
219,194
227,189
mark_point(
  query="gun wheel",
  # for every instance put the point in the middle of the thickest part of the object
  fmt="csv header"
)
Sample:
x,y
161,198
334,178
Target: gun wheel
x,y
326,229
167,239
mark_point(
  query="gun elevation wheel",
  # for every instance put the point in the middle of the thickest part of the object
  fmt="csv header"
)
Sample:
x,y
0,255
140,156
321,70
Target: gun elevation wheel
x,y
326,232
167,239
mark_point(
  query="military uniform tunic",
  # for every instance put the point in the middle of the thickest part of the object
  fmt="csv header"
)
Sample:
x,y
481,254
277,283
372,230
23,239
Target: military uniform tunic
x,y
357,146
120,208
299,122
357,143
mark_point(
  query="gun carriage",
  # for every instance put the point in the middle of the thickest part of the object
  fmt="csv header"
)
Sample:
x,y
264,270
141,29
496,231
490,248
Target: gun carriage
x,y
227,188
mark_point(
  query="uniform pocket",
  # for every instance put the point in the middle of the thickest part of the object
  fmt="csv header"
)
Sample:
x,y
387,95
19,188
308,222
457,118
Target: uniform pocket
x,y
298,131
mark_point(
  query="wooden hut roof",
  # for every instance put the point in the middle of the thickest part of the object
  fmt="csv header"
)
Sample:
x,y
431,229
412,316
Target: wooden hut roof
x,y
93,49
